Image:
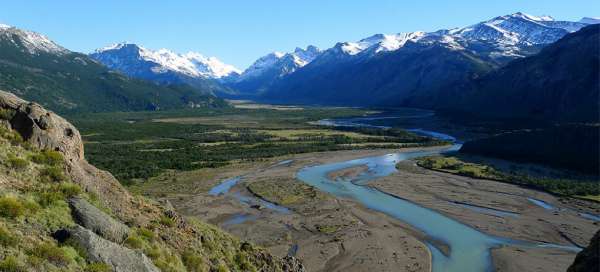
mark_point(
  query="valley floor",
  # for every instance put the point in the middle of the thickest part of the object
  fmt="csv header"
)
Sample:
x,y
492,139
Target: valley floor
x,y
333,234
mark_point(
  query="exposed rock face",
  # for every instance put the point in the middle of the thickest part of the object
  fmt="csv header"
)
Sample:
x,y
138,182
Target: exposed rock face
x,y
588,260
46,130
43,128
97,221
121,259
291,263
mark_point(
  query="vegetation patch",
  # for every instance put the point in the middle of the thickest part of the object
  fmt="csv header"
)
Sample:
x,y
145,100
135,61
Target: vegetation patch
x,y
139,146
285,191
454,165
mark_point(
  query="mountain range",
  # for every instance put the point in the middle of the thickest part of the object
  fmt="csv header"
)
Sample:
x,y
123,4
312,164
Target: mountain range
x,y
415,69
166,67
449,69
36,68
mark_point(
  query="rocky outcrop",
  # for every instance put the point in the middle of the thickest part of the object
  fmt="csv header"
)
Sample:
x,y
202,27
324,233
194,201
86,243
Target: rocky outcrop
x,y
97,249
97,221
588,260
291,263
101,235
44,129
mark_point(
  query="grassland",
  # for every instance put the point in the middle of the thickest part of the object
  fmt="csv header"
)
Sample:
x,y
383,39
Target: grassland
x,y
136,146
585,189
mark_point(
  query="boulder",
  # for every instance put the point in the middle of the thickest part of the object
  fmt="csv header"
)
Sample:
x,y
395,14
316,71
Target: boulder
x,y
97,221
98,249
292,264
588,260
44,129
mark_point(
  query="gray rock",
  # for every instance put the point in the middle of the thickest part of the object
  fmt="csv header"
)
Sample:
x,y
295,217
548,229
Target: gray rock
x,y
97,221
120,258
292,264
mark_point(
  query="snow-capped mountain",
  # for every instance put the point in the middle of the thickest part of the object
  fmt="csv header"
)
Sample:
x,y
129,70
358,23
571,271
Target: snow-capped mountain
x,y
272,67
501,36
38,69
509,35
30,41
400,67
129,57
284,62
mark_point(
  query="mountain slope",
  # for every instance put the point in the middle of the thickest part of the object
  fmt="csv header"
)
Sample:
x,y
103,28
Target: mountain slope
x,y
385,70
393,78
59,213
561,83
38,69
166,67
270,68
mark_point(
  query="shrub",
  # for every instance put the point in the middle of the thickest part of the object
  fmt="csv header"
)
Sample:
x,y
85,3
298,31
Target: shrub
x,y
52,174
166,221
51,253
12,136
11,207
153,252
11,264
17,163
48,157
6,237
134,242
7,114
69,189
98,267
46,199
146,234
192,261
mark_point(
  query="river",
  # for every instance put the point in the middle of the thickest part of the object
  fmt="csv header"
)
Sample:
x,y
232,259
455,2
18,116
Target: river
x,y
469,248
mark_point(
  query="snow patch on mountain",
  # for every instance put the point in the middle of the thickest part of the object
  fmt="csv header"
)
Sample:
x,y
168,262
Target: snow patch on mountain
x,y
281,63
33,42
190,64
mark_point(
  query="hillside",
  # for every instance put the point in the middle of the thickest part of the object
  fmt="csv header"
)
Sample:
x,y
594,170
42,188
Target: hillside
x,y
59,213
561,83
35,68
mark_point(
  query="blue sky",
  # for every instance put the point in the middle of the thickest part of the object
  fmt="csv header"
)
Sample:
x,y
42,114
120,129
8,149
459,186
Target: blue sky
x,y
238,32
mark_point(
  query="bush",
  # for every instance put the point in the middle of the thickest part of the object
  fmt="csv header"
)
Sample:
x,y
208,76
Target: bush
x,y
11,207
192,261
17,163
166,221
7,114
51,253
7,239
46,199
69,189
134,242
52,174
146,234
12,136
11,264
48,157
98,267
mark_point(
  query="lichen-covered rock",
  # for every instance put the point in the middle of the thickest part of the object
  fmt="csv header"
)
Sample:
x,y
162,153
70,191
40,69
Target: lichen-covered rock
x,y
97,221
120,258
292,264
588,260
43,128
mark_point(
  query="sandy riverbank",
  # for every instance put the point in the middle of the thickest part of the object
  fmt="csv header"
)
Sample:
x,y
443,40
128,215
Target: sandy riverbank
x,y
340,235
